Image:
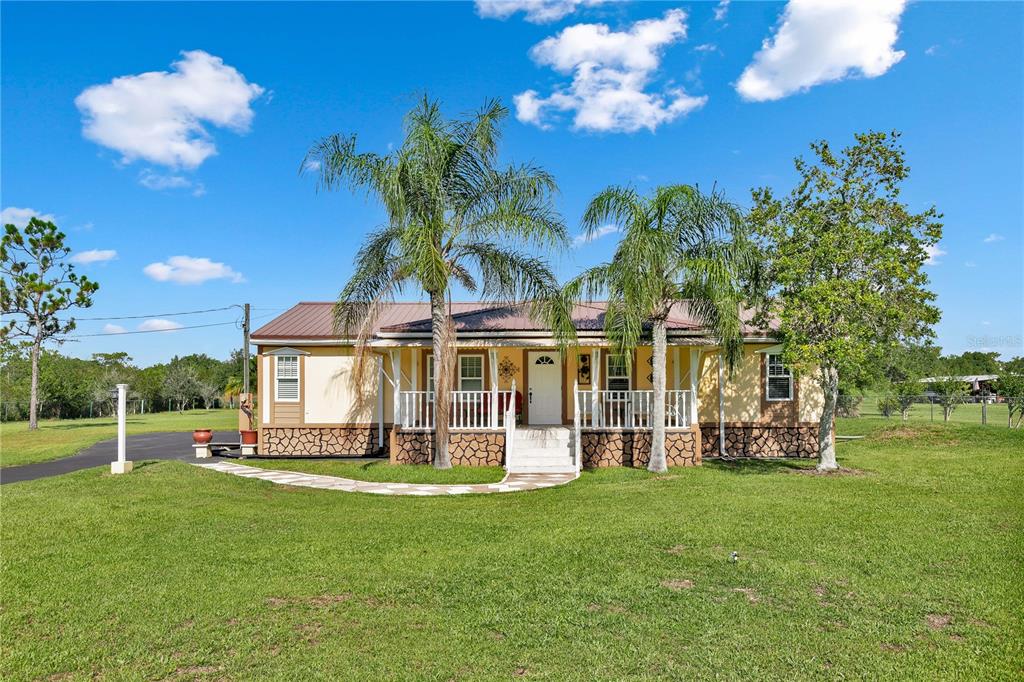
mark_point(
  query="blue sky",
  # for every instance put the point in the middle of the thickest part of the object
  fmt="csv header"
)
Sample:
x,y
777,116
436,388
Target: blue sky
x,y
201,159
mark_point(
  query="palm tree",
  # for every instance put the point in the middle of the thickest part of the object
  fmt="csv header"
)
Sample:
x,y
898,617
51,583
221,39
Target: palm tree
x,y
453,218
677,245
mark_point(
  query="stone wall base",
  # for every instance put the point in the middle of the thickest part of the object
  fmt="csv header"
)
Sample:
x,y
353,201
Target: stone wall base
x,y
342,441
633,448
761,440
466,449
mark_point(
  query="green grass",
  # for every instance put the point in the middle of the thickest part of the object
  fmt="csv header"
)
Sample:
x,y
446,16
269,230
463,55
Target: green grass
x,y
909,569
60,438
382,471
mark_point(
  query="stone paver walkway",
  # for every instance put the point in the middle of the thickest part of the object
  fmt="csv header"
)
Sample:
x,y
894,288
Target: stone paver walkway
x,y
510,484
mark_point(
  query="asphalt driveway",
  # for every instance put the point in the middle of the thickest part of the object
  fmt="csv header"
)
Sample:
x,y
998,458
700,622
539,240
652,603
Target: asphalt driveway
x,y
175,445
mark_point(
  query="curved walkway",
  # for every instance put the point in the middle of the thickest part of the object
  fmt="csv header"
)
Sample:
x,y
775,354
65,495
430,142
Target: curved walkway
x,y
510,484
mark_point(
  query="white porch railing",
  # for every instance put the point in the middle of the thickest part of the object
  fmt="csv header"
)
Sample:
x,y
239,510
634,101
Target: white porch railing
x,y
470,410
630,409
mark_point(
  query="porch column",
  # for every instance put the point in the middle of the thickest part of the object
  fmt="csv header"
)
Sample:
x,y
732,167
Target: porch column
x,y
596,415
492,355
396,375
694,383
380,401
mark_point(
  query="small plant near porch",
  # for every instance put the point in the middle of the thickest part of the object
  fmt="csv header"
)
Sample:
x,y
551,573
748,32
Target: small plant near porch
x,y
677,244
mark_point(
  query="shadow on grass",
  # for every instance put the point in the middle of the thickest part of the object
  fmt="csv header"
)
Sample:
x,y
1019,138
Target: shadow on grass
x,y
754,466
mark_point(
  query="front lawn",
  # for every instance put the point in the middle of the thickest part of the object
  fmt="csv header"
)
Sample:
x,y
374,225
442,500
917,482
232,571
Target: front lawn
x,y
62,437
381,471
908,567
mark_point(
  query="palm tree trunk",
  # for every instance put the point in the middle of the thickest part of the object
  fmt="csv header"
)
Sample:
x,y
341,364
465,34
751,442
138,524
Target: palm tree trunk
x,y
657,462
442,379
827,446
33,399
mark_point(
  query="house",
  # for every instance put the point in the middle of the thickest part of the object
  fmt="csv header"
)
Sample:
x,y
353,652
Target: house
x,y
514,392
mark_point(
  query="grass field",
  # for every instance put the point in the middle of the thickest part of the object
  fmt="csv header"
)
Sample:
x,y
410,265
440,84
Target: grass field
x,y
968,413
907,568
60,438
382,471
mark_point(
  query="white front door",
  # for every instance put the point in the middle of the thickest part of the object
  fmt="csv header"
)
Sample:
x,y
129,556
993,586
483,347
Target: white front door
x,y
544,395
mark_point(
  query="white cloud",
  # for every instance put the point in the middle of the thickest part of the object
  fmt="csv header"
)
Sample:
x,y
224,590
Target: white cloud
x,y
189,270
932,50
610,70
603,231
993,238
970,264
819,41
721,10
158,182
160,116
537,11
94,256
113,329
313,165
706,47
158,325
19,217
934,253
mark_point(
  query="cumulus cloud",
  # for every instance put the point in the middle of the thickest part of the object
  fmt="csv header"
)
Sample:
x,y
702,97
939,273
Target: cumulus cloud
x,y
161,116
993,238
94,256
820,41
603,231
19,217
113,329
934,253
611,71
536,11
189,270
158,325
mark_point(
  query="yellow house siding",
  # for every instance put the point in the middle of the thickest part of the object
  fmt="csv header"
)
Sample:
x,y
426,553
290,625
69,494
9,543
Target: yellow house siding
x,y
812,398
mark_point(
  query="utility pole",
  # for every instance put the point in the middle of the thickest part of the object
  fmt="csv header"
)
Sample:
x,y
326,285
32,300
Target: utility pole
x,y
245,352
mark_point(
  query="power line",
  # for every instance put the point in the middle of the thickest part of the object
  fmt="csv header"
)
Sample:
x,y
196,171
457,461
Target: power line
x,y
152,331
140,317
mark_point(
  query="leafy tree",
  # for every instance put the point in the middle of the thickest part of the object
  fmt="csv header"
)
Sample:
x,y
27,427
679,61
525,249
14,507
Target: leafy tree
x,y
1014,366
905,394
912,361
453,219
970,363
846,255
675,247
38,285
181,383
949,392
1011,388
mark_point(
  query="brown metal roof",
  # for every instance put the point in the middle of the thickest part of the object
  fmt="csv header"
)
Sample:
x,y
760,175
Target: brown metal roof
x,y
315,320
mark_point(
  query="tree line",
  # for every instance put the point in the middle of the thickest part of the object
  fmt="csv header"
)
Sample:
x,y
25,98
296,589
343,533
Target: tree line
x,y
70,387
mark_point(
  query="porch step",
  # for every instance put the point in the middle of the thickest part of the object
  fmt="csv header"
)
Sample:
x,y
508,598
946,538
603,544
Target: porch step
x,y
542,450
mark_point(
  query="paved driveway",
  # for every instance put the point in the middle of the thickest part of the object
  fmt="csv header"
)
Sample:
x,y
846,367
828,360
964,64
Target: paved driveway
x,y
177,445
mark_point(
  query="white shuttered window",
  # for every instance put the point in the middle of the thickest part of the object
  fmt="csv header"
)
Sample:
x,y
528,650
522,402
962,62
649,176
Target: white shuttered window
x,y
780,380
287,379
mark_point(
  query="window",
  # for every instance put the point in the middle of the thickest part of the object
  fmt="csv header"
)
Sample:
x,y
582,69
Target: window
x,y
617,374
779,384
287,378
471,372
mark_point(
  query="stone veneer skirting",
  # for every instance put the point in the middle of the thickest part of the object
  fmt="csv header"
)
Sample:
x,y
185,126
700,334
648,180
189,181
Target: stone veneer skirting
x,y
485,448
351,441
612,448
756,440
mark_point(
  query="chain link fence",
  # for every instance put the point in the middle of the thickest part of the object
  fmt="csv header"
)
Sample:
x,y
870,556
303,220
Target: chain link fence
x,y
994,410
18,410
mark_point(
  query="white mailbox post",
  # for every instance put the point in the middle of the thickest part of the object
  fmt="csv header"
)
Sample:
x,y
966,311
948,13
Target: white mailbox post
x,y
122,465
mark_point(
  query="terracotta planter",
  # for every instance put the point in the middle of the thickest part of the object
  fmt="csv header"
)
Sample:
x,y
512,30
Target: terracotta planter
x,y
250,437
202,436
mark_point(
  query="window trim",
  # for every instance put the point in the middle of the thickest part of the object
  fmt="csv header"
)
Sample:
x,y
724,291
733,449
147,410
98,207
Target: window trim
x,y
483,371
768,376
608,375
278,377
